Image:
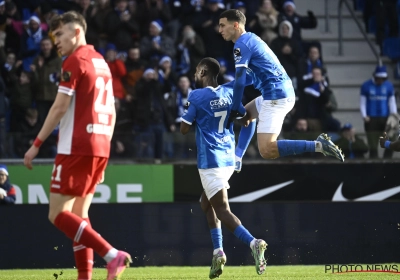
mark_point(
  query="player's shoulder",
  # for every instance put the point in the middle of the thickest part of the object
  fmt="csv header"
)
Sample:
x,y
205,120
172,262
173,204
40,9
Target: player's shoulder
x,y
198,94
83,54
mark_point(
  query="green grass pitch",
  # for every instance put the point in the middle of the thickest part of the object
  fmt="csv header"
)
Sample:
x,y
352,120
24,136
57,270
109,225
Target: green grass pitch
x,y
182,273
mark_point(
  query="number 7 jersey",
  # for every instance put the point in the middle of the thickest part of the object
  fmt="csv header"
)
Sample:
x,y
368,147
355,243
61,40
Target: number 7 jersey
x,y
209,109
86,129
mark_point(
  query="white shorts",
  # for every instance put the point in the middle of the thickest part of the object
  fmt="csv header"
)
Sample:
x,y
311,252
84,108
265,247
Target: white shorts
x,y
272,113
215,179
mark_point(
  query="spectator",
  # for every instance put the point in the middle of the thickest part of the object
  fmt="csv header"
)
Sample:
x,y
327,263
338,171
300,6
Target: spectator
x,y
377,102
21,96
118,70
351,145
156,45
241,6
318,103
98,22
46,70
190,51
121,143
7,191
8,63
224,76
151,10
298,22
89,11
3,15
166,75
265,22
287,49
300,131
134,67
26,132
176,100
13,40
386,15
206,24
30,42
306,65
152,116
122,28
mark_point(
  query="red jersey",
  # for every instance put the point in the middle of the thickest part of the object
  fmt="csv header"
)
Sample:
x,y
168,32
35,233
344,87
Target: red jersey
x,y
86,129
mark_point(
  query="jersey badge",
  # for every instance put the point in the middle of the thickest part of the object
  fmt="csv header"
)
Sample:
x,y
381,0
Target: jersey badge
x,y
65,76
237,55
186,105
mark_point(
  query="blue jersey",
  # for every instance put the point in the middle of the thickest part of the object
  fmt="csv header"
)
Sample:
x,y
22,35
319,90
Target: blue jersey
x,y
268,75
209,108
377,98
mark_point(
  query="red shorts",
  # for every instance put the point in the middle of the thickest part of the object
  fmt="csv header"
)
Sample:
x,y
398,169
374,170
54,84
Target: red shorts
x,y
77,175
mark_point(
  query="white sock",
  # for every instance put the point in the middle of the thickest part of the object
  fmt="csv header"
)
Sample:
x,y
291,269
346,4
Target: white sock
x,y
217,250
318,147
237,158
110,255
252,243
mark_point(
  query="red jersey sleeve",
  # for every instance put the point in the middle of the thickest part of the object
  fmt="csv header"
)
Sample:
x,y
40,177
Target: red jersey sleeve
x,y
70,74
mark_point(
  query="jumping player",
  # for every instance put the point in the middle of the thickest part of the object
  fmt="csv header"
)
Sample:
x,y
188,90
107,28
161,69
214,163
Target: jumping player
x,y
254,58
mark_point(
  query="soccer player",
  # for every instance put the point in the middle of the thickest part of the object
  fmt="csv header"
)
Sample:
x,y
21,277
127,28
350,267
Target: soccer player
x,y
208,108
254,58
84,108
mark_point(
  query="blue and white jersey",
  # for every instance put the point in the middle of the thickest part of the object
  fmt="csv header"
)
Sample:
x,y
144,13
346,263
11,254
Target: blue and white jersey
x,y
268,75
209,108
378,98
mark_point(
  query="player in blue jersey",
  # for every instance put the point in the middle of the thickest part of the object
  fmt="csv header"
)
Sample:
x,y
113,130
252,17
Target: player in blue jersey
x,y
254,58
208,108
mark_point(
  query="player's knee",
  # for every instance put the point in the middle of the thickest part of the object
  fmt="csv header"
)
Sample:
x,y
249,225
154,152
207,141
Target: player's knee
x,y
268,151
52,217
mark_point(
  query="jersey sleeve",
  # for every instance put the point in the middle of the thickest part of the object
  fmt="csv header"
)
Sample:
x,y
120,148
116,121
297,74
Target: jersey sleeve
x,y
189,116
363,89
241,55
70,74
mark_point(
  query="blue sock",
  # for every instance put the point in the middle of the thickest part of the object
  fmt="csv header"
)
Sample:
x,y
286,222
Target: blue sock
x,y
295,147
243,234
216,237
245,135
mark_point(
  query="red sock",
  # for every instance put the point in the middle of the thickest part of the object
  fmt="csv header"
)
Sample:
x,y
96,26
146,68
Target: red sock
x,y
76,228
83,259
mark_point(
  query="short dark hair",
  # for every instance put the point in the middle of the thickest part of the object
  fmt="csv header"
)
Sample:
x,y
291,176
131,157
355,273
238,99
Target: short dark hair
x,y
234,15
68,17
212,66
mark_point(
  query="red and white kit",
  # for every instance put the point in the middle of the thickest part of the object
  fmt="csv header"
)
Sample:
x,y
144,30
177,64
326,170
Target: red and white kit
x,y
86,128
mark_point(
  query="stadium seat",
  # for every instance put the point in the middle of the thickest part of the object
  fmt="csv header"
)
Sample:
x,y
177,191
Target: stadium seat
x,y
391,48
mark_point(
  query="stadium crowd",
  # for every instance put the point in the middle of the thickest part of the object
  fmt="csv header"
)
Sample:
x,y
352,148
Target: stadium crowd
x,y
152,48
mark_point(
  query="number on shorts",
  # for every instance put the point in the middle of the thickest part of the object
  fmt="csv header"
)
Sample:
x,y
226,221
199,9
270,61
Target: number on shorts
x,y
99,105
221,114
58,174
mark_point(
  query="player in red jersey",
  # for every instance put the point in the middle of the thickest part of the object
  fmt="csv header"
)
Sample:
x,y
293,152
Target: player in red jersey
x,y
84,108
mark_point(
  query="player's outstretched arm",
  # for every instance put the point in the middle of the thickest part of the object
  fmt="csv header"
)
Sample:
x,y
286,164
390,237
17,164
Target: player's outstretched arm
x,y
387,144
